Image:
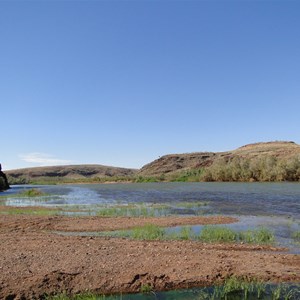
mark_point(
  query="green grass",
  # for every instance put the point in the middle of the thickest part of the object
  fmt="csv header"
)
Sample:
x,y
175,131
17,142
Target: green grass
x,y
31,211
145,288
234,288
185,233
87,296
209,233
296,235
32,193
26,193
257,236
148,232
138,210
189,204
212,233
147,209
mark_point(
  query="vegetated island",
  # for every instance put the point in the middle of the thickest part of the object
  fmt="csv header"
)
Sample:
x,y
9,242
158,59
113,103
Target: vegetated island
x,y
268,161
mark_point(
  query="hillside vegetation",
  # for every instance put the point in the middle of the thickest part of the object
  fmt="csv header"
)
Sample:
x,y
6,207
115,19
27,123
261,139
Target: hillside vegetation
x,y
271,161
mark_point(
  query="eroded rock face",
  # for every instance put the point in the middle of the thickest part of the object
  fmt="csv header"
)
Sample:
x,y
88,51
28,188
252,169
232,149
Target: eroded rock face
x,y
3,181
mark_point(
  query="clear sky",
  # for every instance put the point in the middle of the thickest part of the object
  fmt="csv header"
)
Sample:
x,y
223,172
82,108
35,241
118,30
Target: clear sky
x,y
123,82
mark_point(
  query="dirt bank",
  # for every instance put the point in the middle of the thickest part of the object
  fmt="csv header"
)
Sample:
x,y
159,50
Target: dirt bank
x,y
64,223
35,262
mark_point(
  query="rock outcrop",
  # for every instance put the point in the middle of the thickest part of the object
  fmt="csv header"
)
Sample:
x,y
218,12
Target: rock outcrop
x,y
3,181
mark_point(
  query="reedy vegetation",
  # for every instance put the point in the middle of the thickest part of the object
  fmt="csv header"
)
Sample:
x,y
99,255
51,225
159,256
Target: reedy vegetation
x,y
267,168
209,233
233,288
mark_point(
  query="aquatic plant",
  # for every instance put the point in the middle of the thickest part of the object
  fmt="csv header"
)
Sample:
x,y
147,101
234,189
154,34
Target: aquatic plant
x,y
86,296
186,233
32,193
136,210
31,211
145,288
148,232
296,235
243,289
191,204
233,288
212,233
258,236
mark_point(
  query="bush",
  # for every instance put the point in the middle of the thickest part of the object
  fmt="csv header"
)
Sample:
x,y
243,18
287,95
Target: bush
x,y
266,168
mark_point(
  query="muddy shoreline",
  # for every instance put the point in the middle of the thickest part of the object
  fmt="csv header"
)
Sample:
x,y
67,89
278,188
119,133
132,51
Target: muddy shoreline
x,y
35,262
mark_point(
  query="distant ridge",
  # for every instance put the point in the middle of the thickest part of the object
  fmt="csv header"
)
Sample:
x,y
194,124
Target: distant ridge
x,y
263,161
75,172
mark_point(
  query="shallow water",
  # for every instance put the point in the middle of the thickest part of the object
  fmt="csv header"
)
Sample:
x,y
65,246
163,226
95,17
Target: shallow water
x,y
275,206
278,199
269,292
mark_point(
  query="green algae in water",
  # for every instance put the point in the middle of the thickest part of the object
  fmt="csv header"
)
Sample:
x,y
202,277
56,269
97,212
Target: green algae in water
x,y
233,289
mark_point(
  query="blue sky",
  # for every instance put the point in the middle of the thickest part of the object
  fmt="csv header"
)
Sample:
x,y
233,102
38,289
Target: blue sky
x,y
123,82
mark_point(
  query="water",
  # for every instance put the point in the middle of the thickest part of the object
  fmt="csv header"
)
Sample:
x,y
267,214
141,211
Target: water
x,y
278,199
275,206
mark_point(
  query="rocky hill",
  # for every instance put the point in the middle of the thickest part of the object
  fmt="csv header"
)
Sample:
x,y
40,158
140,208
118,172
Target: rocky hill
x,y
65,173
175,163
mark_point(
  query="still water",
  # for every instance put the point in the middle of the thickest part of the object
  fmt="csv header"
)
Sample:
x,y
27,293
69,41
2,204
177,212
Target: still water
x,y
276,199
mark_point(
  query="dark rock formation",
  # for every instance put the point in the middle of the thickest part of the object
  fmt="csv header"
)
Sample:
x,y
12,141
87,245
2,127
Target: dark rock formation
x,y
3,181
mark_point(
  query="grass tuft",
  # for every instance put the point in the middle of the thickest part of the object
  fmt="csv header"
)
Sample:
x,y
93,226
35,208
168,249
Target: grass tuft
x,y
296,235
257,236
148,232
32,193
212,233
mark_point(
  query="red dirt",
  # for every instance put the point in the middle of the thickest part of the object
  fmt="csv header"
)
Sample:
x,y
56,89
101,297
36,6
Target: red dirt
x,y
35,262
